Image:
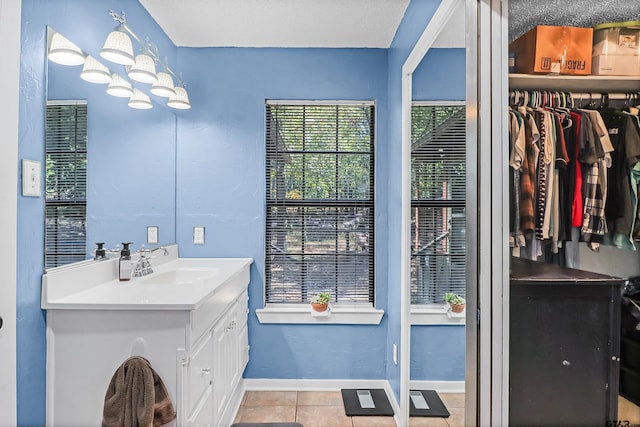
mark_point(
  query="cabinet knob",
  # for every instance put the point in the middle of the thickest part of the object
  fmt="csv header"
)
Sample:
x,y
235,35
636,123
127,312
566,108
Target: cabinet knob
x,y
566,363
205,370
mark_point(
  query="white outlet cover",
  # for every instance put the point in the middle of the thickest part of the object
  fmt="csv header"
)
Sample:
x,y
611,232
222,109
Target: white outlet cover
x,y
152,234
198,235
31,178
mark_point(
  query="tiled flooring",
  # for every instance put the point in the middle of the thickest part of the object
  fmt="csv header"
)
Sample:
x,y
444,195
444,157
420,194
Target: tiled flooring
x,y
325,409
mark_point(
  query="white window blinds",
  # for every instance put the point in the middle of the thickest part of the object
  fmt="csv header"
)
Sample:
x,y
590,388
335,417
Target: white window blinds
x,y
438,165
66,183
320,202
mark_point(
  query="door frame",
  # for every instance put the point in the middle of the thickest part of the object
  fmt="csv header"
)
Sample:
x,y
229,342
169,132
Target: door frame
x,y
10,21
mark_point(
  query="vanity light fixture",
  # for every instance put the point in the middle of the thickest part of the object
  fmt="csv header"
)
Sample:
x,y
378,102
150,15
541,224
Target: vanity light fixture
x,y
164,86
140,100
144,69
180,100
94,71
63,51
118,47
119,87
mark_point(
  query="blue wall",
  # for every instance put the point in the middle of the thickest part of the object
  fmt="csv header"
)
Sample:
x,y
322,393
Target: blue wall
x,y
220,180
221,185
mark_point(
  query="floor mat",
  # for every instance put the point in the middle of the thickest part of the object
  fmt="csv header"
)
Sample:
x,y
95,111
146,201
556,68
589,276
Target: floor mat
x,y
434,405
375,397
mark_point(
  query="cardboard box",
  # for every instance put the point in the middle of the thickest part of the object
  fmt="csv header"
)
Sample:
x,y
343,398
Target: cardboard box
x,y
549,49
616,49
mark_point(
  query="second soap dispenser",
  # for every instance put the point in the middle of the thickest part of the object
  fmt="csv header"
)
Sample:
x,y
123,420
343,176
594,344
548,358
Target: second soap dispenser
x,y
124,270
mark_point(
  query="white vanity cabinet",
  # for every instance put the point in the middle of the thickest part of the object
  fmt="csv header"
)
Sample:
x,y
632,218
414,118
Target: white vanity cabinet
x,y
214,367
193,334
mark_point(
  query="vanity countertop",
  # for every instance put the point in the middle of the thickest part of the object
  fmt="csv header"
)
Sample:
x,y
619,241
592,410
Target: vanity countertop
x,y
175,284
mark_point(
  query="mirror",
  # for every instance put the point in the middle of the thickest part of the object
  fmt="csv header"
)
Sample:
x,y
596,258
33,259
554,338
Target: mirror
x,y
131,160
438,222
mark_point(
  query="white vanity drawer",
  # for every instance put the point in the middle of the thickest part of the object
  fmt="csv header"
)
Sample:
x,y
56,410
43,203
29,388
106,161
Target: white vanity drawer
x,y
200,370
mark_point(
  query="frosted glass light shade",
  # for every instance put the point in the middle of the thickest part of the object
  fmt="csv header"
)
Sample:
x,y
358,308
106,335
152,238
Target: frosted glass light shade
x,y
164,86
94,71
119,87
63,51
140,100
118,48
144,69
180,100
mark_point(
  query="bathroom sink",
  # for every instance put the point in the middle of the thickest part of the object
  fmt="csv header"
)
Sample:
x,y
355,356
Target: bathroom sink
x,y
179,276
175,284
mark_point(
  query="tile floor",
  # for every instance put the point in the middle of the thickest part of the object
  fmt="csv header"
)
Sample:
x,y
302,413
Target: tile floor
x,y
325,409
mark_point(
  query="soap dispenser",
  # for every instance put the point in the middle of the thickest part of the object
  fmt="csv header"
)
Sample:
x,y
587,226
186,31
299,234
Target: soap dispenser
x,y
125,262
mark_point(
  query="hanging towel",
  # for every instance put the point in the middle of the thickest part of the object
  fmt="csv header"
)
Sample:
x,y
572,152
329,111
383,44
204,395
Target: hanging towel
x,y
136,397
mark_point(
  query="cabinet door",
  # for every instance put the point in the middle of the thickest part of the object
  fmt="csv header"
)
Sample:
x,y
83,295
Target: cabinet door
x,y
561,355
202,415
200,371
243,338
222,352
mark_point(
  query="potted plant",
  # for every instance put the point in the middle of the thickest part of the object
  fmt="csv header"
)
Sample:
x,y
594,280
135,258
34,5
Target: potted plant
x,y
455,301
320,302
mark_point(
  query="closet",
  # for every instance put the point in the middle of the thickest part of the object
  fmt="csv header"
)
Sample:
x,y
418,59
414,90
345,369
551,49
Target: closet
x,y
565,322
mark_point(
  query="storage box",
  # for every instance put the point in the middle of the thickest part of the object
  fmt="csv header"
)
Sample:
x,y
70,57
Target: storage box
x,y
554,50
616,49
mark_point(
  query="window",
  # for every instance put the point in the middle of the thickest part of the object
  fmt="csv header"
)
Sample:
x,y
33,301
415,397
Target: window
x,y
320,179
438,156
66,178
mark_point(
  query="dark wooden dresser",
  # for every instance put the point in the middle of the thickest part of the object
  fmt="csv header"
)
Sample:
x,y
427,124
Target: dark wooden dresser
x,y
564,346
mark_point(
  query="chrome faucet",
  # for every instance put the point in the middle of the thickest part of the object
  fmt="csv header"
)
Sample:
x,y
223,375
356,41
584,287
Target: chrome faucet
x,y
143,266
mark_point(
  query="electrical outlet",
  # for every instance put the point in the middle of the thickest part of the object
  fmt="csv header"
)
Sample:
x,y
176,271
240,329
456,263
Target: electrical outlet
x,y
395,354
152,235
198,235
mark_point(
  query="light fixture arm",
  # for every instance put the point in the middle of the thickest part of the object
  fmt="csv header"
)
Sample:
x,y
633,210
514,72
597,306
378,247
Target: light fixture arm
x,y
151,49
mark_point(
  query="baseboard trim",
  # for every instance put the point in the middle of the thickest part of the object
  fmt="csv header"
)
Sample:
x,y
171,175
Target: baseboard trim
x,y
439,386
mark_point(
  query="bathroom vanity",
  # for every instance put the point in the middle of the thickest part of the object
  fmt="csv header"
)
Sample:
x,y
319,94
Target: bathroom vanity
x,y
188,318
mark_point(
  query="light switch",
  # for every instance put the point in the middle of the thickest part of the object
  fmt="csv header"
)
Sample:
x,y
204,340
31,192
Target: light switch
x,y
152,234
198,235
31,177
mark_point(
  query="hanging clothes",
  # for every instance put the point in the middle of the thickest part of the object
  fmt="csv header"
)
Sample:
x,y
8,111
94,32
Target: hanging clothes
x,y
560,163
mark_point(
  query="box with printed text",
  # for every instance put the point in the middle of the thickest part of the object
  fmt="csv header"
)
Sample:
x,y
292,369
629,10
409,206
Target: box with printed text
x,y
547,49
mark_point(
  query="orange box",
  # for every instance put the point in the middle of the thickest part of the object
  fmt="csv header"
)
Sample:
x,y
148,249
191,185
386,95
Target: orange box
x,y
553,50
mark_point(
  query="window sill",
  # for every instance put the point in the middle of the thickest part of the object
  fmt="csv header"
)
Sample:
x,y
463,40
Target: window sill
x,y
435,314
302,314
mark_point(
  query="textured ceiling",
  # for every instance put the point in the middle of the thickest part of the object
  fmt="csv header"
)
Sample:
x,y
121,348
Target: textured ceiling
x,y
526,14
278,23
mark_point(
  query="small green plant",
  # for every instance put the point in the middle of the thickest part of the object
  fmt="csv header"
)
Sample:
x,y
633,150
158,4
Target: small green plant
x,y
321,298
454,299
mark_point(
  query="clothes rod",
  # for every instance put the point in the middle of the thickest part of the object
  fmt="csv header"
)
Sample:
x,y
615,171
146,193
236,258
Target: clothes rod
x,y
582,95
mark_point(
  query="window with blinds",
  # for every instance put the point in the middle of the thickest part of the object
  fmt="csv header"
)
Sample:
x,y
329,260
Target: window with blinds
x,y
438,182
320,194
66,183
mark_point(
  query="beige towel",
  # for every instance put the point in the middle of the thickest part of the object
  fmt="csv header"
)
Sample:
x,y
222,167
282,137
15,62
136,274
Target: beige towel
x,y
136,397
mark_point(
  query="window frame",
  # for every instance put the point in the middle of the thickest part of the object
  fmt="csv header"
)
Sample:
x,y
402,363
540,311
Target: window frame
x,y
345,312
433,313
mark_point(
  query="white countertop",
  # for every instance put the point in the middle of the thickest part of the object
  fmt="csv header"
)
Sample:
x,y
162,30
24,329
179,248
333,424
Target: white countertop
x,y
93,286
